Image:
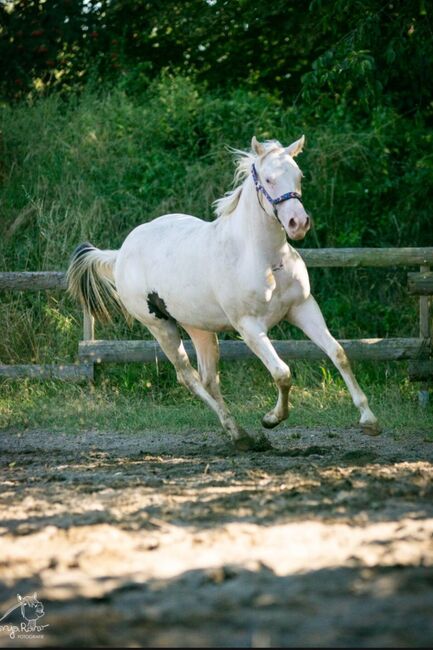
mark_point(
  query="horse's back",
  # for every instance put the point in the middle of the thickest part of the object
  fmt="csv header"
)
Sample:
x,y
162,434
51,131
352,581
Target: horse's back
x,y
167,227
167,241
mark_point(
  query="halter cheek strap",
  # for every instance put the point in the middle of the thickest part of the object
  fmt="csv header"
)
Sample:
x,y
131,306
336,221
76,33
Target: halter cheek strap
x,y
279,199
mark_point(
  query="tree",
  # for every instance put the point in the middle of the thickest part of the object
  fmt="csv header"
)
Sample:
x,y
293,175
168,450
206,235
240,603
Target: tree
x,y
344,56
45,43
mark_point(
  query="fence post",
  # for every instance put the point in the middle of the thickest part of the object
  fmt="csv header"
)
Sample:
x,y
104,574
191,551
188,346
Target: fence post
x,y
88,326
89,334
425,332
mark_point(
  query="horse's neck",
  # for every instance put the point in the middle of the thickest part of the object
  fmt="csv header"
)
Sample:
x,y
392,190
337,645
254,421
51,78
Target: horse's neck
x,y
256,229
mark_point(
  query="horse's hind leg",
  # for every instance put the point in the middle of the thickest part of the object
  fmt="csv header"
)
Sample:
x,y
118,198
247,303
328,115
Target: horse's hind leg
x,y
308,317
167,335
207,348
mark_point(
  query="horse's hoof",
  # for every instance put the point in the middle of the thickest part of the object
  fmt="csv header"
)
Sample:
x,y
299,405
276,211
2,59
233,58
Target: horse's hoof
x,y
269,421
248,443
370,428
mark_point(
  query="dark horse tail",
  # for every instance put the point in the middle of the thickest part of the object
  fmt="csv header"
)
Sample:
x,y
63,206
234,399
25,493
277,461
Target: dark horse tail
x,y
90,278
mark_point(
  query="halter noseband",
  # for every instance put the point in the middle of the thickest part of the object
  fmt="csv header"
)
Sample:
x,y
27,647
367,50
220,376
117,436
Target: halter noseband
x,y
279,199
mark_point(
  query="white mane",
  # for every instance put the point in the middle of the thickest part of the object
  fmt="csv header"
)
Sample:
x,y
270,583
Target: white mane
x,y
244,160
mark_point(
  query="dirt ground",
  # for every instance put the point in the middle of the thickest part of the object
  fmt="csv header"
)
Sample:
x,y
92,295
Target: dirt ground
x,y
176,540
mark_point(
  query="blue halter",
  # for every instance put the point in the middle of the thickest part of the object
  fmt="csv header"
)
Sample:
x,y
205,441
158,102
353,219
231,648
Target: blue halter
x,y
279,199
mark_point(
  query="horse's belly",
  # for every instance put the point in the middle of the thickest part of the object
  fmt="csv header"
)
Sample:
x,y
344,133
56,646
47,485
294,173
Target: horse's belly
x,y
197,308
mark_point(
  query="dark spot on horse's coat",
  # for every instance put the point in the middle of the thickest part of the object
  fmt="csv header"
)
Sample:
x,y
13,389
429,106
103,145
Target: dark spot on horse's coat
x,y
157,306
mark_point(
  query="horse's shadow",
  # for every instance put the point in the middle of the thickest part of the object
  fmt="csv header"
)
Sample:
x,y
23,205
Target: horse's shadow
x,y
231,605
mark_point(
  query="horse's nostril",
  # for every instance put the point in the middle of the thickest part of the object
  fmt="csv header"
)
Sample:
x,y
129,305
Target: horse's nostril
x,y
292,222
307,221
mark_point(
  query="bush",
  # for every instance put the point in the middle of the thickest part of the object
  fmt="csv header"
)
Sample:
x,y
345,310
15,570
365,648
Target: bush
x,y
95,166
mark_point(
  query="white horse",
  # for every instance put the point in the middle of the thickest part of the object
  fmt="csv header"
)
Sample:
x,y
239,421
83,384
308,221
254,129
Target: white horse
x,y
235,273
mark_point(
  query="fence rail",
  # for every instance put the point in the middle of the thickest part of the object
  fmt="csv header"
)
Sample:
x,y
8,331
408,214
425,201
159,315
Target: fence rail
x,y
323,257
392,349
33,281
91,351
420,284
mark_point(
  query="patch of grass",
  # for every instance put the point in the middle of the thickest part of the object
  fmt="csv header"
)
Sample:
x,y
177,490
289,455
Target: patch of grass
x,y
138,398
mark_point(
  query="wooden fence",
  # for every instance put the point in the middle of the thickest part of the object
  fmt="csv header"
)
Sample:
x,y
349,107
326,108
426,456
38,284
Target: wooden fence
x,y
417,350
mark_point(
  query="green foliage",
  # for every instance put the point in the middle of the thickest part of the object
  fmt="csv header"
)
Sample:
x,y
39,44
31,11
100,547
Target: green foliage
x,y
141,398
346,55
117,112
380,54
93,167
45,44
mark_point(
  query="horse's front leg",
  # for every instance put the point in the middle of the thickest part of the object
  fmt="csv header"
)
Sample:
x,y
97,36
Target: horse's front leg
x,y
308,317
255,336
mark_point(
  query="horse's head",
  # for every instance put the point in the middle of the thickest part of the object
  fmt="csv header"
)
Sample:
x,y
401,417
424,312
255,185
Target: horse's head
x,y
31,607
278,178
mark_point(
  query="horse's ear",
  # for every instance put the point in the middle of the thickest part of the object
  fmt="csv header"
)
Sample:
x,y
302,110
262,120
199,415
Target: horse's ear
x,y
257,146
296,147
19,598
35,595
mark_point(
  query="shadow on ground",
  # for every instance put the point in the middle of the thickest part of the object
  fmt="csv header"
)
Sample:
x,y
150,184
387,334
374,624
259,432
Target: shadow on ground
x,y
175,540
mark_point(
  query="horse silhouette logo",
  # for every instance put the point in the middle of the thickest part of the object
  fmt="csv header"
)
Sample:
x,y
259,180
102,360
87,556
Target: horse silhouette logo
x,y
32,610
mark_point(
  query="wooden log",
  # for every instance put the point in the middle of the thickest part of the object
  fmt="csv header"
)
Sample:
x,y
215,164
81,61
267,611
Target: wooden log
x,y
420,284
421,370
355,257
33,280
424,332
88,326
149,351
74,373
320,257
